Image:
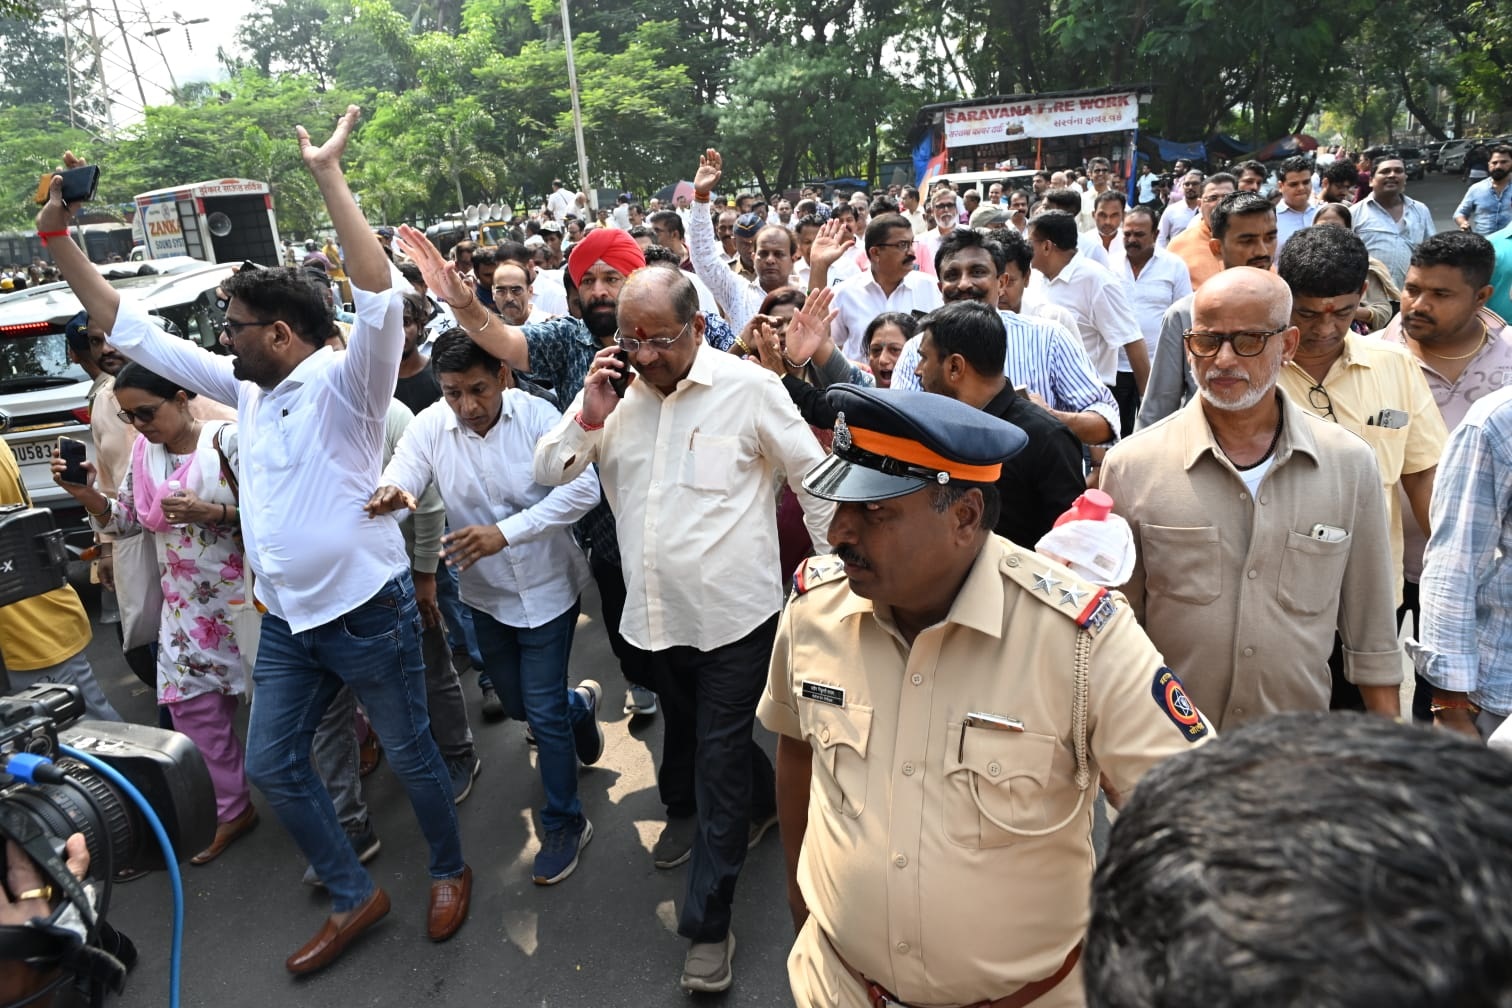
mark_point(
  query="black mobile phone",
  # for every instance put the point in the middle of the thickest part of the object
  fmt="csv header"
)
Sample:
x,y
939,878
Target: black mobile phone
x,y
79,184
622,382
73,453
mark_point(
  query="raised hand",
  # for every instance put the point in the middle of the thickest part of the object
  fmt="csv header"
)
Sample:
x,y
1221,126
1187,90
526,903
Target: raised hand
x,y
832,242
328,154
710,170
809,328
55,215
449,285
767,344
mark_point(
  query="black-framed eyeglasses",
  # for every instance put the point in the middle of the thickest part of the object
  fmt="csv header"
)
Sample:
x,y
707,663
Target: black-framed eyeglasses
x,y
232,328
630,345
142,414
1247,343
904,247
1325,406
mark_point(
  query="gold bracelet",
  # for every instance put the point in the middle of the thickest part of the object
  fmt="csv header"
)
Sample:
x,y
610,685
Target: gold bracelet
x,y
739,345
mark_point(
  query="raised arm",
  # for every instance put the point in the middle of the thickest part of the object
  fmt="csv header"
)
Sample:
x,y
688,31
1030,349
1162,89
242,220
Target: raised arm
x,y
490,332
366,265
91,288
710,268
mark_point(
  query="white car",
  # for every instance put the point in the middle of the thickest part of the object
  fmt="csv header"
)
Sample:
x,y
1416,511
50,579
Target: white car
x,y
44,395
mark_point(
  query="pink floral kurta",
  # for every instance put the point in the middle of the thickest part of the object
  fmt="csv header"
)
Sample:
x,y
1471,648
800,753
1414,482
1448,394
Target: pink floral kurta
x,y
203,580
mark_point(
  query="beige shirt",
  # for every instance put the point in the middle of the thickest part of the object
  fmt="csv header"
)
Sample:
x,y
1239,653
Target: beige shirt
x,y
1369,376
689,477
1238,593
903,869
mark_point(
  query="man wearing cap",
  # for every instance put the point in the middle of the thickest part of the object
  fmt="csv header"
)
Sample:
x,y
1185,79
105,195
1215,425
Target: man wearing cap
x,y
687,460
936,812
773,250
1260,529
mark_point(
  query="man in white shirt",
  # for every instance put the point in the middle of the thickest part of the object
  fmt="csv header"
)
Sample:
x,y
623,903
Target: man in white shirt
x,y
561,201
908,204
943,212
892,284
513,299
1176,216
521,571
1091,294
1100,172
1296,210
687,459
336,582
1154,281
773,249
1070,200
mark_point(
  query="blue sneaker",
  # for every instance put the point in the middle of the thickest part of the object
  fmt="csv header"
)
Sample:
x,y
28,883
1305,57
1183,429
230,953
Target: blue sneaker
x,y
560,850
588,734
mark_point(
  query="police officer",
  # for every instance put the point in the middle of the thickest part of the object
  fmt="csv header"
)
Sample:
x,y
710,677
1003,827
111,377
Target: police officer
x,y
945,703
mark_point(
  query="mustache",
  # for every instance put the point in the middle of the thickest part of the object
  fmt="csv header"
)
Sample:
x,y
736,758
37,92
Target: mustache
x,y
1215,373
850,556
1417,316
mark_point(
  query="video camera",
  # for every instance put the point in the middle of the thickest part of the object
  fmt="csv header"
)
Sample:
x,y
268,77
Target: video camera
x,y
46,795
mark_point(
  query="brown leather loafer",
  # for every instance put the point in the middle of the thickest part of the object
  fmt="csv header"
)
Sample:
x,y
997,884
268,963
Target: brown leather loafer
x,y
226,834
333,939
449,899
369,753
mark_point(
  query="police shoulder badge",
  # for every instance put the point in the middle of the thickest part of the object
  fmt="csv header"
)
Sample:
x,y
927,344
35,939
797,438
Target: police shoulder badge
x,y
1170,696
815,571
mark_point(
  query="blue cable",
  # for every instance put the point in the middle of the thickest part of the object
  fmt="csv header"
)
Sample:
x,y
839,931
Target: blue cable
x,y
176,948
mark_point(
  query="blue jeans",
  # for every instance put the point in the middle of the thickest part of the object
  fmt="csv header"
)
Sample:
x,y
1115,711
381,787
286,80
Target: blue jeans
x,y
457,617
374,649
529,669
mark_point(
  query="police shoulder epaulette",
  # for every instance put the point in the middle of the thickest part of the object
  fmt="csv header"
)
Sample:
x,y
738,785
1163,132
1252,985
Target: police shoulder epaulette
x,y
1090,606
815,571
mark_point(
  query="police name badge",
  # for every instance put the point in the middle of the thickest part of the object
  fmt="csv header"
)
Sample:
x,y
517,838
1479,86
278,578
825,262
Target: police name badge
x,y
822,693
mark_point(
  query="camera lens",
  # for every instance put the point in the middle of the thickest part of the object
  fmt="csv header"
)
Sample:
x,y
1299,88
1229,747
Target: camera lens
x,y
113,830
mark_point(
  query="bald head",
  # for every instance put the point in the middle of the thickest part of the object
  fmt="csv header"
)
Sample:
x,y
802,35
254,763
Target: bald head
x,y
1258,298
660,288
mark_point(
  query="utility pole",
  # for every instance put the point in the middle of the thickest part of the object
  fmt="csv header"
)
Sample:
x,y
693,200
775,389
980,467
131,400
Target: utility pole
x,y
577,113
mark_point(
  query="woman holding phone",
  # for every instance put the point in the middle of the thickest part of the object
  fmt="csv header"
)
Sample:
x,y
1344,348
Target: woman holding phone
x,y
179,488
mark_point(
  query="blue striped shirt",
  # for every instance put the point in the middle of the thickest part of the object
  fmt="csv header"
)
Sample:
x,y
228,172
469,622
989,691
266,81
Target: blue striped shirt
x,y
1042,356
1466,636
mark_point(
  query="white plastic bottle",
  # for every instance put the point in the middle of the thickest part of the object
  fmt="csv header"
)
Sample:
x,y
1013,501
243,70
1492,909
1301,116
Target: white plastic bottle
x,y
174,489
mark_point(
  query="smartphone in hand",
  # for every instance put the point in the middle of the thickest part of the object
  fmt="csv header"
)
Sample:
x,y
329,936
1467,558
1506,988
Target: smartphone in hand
x,y
78,184
73,453
620,383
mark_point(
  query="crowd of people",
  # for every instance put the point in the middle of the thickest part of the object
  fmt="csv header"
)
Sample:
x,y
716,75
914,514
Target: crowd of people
x,y
986,503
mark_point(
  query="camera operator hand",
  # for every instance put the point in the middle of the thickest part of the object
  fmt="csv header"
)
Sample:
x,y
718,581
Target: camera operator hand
x,y
25,894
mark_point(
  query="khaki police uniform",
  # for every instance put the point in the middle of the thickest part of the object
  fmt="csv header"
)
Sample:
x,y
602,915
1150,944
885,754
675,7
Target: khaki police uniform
x,y
950,862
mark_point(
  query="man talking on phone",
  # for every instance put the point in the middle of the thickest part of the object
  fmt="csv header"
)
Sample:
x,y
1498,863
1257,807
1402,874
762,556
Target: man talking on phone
x,y
1259,528
336,582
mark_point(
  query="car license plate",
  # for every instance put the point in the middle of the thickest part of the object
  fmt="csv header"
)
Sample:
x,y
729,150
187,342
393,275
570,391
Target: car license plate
x,y
33,452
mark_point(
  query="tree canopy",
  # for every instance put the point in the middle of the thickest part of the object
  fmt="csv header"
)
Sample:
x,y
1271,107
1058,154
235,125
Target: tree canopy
x,y
467,100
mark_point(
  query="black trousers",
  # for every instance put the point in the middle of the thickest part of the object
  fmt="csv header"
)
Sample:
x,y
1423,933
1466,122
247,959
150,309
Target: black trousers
x,y
708,699
1126,394
611,587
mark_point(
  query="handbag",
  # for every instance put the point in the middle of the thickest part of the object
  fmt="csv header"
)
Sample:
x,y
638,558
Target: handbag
x,y
139,589
246,619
